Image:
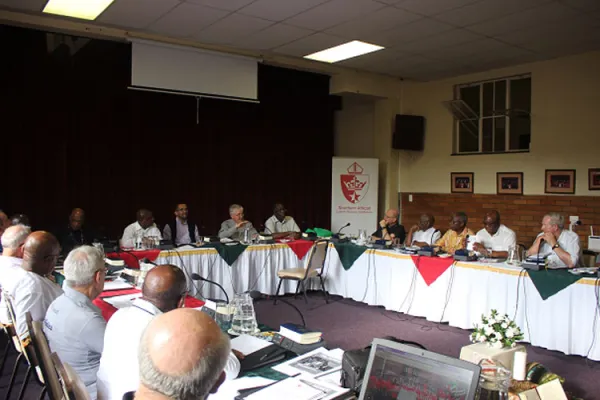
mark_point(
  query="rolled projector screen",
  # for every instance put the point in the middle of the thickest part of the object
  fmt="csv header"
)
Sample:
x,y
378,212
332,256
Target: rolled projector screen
x,y
191,71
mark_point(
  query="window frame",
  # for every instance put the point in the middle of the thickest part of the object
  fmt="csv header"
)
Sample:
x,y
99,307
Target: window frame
x,y
456,124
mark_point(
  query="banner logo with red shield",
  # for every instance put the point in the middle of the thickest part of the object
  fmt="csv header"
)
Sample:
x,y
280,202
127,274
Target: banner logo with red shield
x,y
355,184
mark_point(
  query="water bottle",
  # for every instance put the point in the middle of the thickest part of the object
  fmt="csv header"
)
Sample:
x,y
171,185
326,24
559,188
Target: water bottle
x,y
244,318
138,241
246,239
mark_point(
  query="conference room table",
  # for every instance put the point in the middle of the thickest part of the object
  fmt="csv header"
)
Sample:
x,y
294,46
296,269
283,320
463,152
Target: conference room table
x,y
441,290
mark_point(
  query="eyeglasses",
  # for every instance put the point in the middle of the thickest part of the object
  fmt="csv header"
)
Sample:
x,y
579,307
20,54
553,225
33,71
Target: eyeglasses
x,y
182,209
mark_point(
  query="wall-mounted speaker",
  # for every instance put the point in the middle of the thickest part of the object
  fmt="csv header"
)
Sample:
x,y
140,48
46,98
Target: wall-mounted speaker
x,y
409,133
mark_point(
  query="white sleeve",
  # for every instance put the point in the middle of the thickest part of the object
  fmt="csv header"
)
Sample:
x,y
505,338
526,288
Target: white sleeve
x,y
435,237
270,226
573,248
154,231
167,232
479,238
295,227
27,300
232,367
509,241
128,235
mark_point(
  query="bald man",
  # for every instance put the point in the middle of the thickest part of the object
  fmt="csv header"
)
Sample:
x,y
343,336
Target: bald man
x,y
32,290
144,227
11,260
164,289
389,228
73,235
182,356
424,233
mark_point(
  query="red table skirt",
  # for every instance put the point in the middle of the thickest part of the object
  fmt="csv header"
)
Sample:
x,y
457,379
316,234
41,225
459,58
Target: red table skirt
x,y
108,309
431,268
132,258
300,247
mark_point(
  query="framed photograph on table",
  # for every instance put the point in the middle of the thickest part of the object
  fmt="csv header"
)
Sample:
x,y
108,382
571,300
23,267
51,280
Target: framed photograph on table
x,y
594,178
461,182
509,183
560,181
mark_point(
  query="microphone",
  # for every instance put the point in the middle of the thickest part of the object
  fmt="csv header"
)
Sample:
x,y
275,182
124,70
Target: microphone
x,y
256,295
345,226
147,261
197,277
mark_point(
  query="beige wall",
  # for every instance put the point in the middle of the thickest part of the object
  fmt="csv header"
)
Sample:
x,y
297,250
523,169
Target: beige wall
x,y
565,126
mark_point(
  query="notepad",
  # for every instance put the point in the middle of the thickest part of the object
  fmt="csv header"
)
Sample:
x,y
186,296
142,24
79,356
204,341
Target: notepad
x,y
247,344
122,301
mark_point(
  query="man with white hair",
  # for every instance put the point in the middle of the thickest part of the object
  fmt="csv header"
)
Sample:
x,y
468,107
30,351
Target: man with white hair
x,y
11,259
182,357
74,325
234,227
560,246
4,223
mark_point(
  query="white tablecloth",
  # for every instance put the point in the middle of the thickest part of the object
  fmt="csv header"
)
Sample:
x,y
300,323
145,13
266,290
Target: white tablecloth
x,y
567,321
255,269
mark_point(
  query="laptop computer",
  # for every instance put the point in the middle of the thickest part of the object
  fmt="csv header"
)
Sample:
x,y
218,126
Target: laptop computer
x,y
403,372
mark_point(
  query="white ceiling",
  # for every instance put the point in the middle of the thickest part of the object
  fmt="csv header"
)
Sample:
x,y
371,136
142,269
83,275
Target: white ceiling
x,y
424,39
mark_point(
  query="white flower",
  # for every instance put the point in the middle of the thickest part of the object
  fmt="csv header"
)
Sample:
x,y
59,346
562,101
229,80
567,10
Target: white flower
x,y
504,325
481,339
488,330
499,335
492,321
497,345
510,333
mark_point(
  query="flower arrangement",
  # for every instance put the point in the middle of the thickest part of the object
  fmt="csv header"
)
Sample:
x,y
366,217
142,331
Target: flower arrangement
x,y
497,331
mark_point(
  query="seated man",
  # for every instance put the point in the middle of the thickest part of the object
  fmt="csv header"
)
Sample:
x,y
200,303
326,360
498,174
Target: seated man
x,y
423,234
74,326
4,224
457,236
182,356
494,239
32,290
234,227
144,227
389,229
281,225
181,230
11,260
164,289
73,235
560,246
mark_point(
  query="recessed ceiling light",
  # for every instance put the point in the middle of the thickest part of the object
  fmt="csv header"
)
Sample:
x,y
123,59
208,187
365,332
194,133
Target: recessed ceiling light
x,y
83,9
344,51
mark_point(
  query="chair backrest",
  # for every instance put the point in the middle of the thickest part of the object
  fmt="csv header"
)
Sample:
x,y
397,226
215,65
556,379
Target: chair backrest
x,y
13,319
46,366
72,385
318,253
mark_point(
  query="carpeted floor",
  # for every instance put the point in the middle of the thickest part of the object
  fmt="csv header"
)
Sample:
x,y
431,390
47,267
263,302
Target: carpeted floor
x,y
348,324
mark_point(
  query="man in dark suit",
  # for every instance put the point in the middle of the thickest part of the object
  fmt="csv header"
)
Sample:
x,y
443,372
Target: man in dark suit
x,y
74,235
181,230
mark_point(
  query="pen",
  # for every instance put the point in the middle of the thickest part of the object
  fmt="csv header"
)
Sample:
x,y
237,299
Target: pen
x,y
312,385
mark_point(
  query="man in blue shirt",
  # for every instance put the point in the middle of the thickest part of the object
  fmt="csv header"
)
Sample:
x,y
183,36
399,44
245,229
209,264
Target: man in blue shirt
x,y
74,325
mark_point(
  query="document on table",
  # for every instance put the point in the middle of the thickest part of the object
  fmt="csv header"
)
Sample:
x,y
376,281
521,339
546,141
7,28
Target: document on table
x,y
117,284
299,388
122,301
314,363
229,389
247,344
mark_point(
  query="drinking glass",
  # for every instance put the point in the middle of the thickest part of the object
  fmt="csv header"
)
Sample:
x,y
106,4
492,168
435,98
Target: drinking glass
x,y
223,316
494,381
244,318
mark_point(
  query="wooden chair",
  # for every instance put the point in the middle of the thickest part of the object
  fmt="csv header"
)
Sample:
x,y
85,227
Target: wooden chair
x,y
72,385
314,267
26,351
46,365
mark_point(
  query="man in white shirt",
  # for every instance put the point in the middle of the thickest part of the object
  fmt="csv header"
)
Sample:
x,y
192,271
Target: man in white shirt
x,y
144,227
560,246
182,357
11,259
164,289
424,233
34,291
494,239
181,230
281,225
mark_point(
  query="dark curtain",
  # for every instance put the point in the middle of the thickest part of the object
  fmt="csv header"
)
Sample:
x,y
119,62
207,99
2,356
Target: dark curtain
x,y
73,135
